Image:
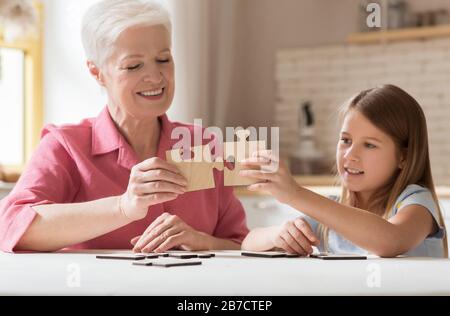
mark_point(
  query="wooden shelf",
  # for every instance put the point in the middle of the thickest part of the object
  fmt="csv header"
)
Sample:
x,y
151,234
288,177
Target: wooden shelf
x,y
399,35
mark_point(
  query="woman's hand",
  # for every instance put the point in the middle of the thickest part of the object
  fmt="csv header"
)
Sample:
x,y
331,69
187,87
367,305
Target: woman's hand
x,y
295,237
167,232
152,181
274,176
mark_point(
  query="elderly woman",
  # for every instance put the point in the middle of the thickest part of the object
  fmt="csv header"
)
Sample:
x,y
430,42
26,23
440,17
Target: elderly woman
x,y
104,183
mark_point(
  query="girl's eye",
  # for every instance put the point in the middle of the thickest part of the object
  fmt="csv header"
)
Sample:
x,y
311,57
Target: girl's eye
x,y
162,61
345,140
370,145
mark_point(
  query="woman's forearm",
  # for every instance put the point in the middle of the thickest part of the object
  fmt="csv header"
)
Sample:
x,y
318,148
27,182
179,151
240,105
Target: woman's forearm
x,y
60,225
365,229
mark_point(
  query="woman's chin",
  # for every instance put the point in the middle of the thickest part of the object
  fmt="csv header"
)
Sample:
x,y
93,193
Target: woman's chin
x,y
153,109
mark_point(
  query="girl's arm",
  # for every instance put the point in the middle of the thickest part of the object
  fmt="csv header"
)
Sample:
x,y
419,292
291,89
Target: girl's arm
x,y
386,238
259,239
294,236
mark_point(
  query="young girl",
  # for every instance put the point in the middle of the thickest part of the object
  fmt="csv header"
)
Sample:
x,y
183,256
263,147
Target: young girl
x,y
388,205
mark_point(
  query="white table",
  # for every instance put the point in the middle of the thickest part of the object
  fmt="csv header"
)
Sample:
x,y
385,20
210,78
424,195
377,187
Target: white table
x,y
74,273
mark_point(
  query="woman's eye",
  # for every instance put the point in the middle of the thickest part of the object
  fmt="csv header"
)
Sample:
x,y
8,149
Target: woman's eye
x,y
370,145
345,140
133,67
163,61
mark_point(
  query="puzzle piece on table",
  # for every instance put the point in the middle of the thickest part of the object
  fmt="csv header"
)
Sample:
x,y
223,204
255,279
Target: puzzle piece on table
x,y
122,256
197,167
132,256
164,262
268,254
235,152
338,256
180,254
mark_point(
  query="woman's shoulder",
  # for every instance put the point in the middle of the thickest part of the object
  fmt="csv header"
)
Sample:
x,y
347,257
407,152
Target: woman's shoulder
x,y
68,134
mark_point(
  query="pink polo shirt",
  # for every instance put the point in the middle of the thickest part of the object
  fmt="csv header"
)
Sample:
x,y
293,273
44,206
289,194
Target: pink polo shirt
x,y
92,160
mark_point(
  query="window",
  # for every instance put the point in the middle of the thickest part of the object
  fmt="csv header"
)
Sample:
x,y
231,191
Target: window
x,y
12,106
21,109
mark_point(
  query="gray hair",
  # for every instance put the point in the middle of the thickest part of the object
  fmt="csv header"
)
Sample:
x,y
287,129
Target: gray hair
x,y
106,20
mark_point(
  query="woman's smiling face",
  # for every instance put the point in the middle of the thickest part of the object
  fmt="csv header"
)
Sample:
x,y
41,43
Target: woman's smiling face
x,y
139,75
367,157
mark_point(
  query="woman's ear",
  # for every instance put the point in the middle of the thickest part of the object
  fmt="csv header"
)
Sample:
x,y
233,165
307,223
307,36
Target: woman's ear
x,y
95,72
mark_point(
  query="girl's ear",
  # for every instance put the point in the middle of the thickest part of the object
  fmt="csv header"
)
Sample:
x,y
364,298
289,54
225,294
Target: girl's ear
x,y
95,72
402,162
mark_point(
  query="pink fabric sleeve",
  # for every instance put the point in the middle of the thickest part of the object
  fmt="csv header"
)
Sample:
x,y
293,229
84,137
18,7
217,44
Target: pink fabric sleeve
x,y
50,177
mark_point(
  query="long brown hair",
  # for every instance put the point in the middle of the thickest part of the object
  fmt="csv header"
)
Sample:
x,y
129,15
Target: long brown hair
x,y
398,115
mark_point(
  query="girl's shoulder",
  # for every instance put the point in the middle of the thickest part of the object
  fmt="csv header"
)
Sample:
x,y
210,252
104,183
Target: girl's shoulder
x,y
413,194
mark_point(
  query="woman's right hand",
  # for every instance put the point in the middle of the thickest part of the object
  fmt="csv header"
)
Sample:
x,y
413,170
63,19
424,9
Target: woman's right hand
x,y
152,181
294,236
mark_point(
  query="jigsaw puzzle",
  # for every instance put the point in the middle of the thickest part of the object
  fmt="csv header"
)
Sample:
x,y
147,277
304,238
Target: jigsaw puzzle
x,y
197,165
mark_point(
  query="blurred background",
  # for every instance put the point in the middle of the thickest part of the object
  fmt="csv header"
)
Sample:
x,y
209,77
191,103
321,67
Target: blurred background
x,y
286,63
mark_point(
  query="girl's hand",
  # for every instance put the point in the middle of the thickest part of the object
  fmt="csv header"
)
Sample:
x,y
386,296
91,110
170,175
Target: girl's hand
x,y
274,176
152,181
295,237
167,232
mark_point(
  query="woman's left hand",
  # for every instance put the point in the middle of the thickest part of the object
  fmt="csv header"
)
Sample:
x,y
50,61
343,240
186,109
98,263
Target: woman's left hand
x,y
274,176
169,231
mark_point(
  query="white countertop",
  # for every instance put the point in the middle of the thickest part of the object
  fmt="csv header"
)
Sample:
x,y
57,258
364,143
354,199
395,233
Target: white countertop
x,y
74,273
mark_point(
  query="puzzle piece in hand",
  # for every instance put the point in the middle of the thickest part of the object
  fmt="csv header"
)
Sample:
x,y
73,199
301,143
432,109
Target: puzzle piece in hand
x,y
236,152
197,169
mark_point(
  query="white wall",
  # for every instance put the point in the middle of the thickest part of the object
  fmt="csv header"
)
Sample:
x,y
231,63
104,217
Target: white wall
x,y
70,94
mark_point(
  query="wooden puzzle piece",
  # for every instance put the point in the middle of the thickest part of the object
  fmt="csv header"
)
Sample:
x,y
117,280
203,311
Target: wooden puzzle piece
x,y
197,167
197,170
236,152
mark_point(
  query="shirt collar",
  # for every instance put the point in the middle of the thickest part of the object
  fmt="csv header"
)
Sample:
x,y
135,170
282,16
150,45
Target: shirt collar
x,y
107,138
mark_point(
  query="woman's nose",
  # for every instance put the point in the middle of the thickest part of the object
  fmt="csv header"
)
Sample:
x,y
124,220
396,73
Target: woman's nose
x,y
153,76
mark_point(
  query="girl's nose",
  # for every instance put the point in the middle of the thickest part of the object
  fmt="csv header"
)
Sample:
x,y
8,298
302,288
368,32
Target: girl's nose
x,y
351,154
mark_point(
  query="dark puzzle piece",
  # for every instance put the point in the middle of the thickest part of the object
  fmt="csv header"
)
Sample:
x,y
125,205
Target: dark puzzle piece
x,y
338,257
166,263
122,256
264,254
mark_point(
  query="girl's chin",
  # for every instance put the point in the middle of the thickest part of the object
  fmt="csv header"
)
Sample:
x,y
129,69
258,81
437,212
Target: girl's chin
x,y
352,185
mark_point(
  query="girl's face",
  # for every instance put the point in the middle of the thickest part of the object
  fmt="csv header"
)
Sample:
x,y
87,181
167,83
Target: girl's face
x,y
139,76
366,157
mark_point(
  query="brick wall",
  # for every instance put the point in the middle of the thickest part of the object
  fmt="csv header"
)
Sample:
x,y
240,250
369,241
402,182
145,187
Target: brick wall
x,y
328,76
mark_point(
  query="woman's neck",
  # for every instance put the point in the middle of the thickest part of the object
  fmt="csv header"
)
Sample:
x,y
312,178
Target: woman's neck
x,y
142,134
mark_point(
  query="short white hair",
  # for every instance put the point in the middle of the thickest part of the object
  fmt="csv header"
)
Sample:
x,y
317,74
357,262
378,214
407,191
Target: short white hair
x,y
106,20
